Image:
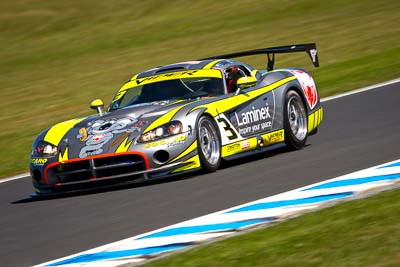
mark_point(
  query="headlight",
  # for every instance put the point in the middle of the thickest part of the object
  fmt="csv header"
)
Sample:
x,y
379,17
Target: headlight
x,y
169,129
43,149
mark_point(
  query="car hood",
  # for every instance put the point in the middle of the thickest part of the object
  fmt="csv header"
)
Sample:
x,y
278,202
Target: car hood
x,y
113,132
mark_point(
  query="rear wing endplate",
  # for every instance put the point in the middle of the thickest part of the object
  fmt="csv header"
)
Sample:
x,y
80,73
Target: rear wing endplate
x,y
310,49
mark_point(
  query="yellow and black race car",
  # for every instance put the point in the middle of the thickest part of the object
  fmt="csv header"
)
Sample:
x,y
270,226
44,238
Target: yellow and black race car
x,y
178,118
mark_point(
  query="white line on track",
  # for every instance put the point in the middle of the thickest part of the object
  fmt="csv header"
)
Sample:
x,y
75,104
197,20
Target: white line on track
x,y
280,207
356,91
20,176
325,99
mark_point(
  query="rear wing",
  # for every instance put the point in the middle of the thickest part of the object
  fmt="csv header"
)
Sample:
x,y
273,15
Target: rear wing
x,y
310,49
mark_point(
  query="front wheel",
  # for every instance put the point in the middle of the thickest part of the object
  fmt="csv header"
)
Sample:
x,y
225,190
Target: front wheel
x,y
295,121
209,145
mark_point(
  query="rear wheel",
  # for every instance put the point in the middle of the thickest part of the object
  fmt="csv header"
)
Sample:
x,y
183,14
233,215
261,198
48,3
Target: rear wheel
x,y
295,121
209,145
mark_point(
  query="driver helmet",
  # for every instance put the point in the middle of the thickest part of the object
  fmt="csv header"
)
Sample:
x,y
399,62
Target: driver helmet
x,y
231,76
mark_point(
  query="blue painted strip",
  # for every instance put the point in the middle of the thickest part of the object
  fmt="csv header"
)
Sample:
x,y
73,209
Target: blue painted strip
x,y
356,181
286,203
205,228
109,255
396,164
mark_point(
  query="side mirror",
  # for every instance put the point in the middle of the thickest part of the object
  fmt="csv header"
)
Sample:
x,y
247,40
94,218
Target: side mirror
x,y
98,105
245,82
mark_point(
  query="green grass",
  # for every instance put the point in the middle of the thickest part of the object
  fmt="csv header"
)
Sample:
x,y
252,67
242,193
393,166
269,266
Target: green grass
x,y
362,232
56,56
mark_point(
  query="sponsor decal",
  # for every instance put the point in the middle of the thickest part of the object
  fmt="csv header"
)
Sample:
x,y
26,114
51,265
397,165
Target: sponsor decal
x,y
233,148
254,120
245,144
254,115
169,76
274,137
239,147
313,53
172,141
100,132
308,86
38,161
173,75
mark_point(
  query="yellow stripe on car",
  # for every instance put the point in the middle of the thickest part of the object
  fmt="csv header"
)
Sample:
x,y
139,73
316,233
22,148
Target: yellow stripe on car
x,y
321,114
311,122
134,77
163,119
223,105
124,146
315,119
211,64
190,149
254,73
63,156
57,132
192,163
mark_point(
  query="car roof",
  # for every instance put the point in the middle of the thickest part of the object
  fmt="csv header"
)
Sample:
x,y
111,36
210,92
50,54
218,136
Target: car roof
x,y
188,65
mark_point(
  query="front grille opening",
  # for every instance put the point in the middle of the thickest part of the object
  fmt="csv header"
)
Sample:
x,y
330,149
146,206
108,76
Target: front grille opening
x,y
118,165
97,168
118,160
36,175
73,171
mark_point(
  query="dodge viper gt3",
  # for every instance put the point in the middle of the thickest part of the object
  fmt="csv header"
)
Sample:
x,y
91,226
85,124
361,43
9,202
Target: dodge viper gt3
x,y
178,118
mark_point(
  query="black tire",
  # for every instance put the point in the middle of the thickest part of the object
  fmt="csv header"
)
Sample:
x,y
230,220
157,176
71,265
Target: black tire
x,y
295,121
208,144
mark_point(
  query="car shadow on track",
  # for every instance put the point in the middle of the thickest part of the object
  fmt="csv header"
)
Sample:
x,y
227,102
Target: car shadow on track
x,y
255,157
34,198
190,175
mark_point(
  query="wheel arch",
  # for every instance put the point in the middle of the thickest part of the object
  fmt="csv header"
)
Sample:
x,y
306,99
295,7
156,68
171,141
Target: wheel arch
x,y
204,161
298,90
291,138
205,113
198,113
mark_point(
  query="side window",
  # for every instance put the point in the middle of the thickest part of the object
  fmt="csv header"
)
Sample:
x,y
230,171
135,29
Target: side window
x,y
232,74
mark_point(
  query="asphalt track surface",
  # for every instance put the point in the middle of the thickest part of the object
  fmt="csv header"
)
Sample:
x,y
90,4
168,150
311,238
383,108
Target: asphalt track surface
x,y
358,131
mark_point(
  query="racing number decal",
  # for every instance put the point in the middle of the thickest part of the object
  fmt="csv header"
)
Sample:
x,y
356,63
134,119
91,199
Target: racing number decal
x,y
229,129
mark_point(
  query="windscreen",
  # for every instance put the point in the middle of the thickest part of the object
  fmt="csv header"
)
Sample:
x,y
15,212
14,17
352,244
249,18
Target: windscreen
x,y
172,87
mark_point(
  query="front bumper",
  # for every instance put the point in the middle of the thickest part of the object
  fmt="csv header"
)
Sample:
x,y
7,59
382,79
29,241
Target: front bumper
x,y
99,172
